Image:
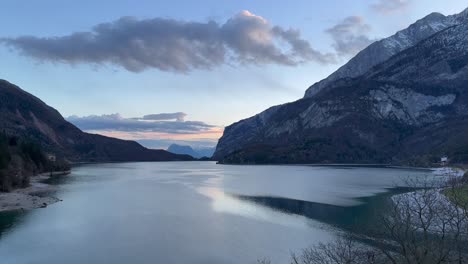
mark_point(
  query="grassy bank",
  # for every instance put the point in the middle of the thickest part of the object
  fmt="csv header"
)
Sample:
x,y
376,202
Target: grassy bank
x,y
458,194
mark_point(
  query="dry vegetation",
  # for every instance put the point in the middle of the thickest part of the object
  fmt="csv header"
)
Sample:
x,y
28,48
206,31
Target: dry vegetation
x,y
422,227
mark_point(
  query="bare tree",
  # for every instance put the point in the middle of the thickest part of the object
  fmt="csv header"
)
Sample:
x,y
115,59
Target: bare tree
x,y
264,261
344,250
422,227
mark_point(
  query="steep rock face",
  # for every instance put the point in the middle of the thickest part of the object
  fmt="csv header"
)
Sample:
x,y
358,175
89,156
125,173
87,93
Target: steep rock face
x,y
26,116
382,50
243,133
407,106
390,114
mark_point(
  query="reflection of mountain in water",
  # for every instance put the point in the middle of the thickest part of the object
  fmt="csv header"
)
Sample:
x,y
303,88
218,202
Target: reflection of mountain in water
x,y
9,219
357,217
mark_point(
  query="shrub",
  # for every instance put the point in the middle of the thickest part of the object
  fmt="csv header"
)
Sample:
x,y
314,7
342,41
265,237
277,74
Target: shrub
x,y
465,178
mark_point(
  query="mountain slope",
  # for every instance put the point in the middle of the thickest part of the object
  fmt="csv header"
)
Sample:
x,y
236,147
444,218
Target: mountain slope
x,y
382,50
26,116
410,109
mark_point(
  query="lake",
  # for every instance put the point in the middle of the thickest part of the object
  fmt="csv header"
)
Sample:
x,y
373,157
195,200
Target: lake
x,y
195,212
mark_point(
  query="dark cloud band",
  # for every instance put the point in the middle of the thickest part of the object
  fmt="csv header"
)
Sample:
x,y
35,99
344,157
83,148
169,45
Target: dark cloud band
x,y
179,116
149,123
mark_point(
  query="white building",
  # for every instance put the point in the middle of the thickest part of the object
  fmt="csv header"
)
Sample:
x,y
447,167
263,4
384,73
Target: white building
x,y
444,160
51,157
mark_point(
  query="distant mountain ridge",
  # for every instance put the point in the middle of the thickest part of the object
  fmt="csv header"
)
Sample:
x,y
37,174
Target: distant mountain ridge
x,y
410,109
26,116
188,150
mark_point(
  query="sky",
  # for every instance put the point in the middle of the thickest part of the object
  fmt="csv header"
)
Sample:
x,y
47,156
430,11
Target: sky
x,y
179,71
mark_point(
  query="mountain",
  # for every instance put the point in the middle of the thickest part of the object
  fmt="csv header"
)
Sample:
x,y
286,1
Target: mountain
x,y
410,109
382,50
26,116
196,153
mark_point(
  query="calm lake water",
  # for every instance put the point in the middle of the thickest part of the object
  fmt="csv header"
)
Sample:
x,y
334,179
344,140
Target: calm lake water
x,y
194,212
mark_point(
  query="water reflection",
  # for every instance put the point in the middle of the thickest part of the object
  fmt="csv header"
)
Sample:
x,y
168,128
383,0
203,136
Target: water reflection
x,y
249,208
286,211
8,220
13,219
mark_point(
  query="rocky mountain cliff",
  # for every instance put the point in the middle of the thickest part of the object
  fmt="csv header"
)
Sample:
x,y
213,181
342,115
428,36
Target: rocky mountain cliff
x,y
382,50
410,109
26,116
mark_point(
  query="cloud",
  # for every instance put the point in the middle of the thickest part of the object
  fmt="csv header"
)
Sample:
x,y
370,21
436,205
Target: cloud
x,y
213,134
302,48
179,116
173,45
390,6
350,36
157,123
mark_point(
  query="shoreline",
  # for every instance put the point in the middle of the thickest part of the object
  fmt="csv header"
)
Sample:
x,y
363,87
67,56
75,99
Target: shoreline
x,y
353,165
416,198
32,197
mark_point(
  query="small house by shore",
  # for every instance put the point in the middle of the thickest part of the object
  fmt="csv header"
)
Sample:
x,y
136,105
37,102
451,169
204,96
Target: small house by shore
x,y
444,160
51,157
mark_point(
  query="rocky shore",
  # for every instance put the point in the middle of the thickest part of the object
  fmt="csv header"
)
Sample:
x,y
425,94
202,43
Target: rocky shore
x,y
36,195
430,204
